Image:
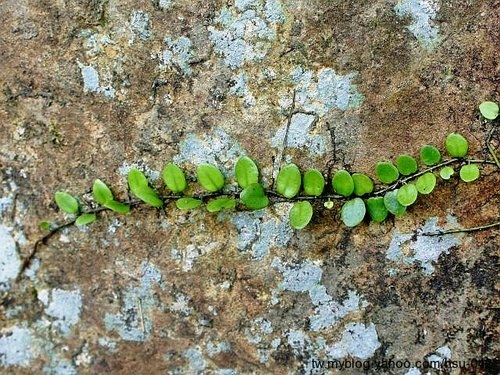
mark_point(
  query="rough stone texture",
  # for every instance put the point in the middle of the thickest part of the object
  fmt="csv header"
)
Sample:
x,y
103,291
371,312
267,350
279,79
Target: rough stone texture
x,y
93,88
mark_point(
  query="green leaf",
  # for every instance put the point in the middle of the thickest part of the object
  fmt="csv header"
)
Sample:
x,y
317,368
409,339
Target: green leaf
x,y
254,197
376,209
85,219
174,178
343,183
392,204
469,173
430,155
44,225
386,172
353,212
456,145
210,177
288,181
222,203
426,183
101,192
446,172
149,196
117,207
407,194
406,164
66,202
246,172
136,180
362,184
187,203
314,182
328,204
300,215
489,110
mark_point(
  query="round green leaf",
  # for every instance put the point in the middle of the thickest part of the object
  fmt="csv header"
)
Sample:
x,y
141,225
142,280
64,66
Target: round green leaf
x,y
117,207
149,196
456,145
174,178
246,172
288,181
376,209
426,183
101,192
343,183
489,110
210,177
254,197
187,203
222,203
362,184
44,225
353,212
328,204
66,202
392,204
430,155
386,172
406,164
446,172
314,182
469,172
407,194
85,219
301,214
136,180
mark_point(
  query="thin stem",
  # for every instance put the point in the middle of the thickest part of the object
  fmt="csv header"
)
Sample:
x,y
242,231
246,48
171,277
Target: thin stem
x,y
465,230
490,147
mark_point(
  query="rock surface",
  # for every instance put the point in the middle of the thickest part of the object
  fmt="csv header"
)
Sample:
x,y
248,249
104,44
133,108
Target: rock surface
x,y
91,89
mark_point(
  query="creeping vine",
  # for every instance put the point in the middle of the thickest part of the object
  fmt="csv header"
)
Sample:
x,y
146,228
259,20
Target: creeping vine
x,y
402,183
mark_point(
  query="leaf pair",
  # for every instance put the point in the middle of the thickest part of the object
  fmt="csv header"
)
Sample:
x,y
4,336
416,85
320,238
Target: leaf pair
x,y
67,203
346,184
138,185
103,195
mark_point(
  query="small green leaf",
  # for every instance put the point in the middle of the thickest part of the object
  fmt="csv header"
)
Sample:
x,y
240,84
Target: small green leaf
x,y
66,202
246,172
392,204
376,208
328,204
362,184
489,110
406,164
136,180
288,181
343,183
187,203
407,194
353,212
430,155
149,196
426,183
117,207
210,177
254,197
101,192
85,219
469,173
446,172
300,215
44,225
174,178
222,203
314,182
386,172
456,145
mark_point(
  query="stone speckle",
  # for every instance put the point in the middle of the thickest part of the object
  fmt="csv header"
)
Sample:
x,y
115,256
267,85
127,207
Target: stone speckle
x,y
358,340
65,307
9,258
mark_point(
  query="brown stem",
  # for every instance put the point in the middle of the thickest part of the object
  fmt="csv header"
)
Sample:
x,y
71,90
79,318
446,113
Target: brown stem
x,y
465,230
